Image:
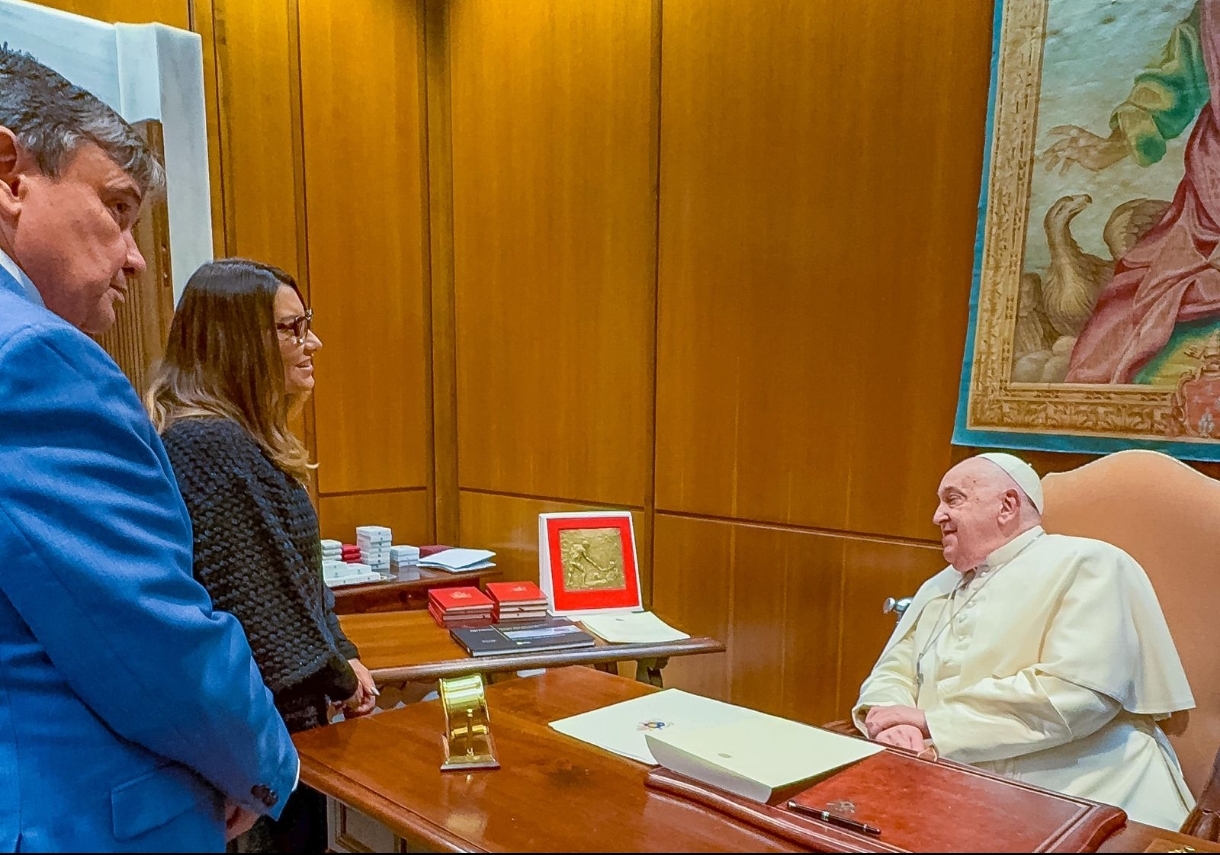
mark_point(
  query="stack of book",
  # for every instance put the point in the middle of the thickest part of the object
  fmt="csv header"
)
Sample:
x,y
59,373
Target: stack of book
x,y
517,602
404,562
350,553
456,607
332,550
336,574
374,543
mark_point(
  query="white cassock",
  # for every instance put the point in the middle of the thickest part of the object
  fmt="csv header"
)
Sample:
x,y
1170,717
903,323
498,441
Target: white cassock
x,y
1052,667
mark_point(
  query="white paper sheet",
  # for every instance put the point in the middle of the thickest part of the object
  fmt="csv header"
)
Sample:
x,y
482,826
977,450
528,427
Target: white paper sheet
x,y
631,628
621,728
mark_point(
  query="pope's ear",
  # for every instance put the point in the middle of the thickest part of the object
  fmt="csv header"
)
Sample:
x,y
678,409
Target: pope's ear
x,y
11,164
1010,503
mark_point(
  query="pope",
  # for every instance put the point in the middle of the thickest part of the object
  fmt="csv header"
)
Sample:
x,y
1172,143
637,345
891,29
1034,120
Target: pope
x,y
1036,656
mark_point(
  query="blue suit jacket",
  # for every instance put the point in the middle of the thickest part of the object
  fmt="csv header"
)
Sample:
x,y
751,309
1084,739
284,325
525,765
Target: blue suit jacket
x,y
127,706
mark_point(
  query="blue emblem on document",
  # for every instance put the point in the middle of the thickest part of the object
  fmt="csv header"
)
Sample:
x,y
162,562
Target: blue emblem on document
x,y
653,724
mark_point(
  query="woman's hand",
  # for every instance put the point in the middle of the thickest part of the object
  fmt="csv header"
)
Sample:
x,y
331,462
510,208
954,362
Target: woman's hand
x,y
365,699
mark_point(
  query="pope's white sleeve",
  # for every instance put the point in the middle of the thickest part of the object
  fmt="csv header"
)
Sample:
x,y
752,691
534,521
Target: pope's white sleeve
x,y
1001,718
892,681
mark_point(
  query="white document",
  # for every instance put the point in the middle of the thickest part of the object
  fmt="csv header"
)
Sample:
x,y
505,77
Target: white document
x,y
755,756
631,628
457,560
621,728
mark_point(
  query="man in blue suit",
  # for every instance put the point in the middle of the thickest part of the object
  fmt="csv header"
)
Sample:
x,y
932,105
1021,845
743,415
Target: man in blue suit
x,y
132,716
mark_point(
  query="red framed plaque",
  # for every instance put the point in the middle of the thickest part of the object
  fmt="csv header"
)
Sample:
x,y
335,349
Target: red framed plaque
x,y
587,562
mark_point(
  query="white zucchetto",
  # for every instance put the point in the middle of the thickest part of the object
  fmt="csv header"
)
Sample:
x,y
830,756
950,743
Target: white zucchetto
x,y
1021,472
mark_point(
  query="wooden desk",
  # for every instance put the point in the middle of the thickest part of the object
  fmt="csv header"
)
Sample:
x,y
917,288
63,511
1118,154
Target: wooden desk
x,y
397,595
553,793
400,647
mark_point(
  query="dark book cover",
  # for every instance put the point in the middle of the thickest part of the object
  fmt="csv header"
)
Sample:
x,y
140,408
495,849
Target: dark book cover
x,y
555,634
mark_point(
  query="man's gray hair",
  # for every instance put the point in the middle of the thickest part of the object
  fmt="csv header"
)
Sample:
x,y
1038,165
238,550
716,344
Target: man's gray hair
x,y
51,117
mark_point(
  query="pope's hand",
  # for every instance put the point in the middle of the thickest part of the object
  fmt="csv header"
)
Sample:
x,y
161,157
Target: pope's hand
x,y
880,719
902,736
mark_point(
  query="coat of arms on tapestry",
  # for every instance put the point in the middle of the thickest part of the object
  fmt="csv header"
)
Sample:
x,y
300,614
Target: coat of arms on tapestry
x,y
1095,310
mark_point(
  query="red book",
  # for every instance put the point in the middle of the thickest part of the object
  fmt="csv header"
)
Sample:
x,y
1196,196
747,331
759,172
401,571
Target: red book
x,y
450,621
464,599
432,549
516,593
436,615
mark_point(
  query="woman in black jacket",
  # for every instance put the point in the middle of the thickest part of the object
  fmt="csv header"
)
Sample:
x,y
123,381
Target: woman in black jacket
x,y
238,363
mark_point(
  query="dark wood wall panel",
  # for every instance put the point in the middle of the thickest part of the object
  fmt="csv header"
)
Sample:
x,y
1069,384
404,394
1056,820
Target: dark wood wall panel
x,y
800,611
176,13
404,511
694,591
819,175
874,570
554,218
259,124
509,526
361,112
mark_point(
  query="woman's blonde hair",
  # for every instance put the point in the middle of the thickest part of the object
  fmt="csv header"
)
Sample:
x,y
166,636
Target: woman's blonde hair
x,y
223,359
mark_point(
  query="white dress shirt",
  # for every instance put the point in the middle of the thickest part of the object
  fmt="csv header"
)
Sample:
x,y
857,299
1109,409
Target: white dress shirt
x,y
24,281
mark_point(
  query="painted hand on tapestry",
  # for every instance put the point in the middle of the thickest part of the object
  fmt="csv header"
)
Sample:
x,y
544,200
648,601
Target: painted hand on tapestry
x,y
1076,146
1135,299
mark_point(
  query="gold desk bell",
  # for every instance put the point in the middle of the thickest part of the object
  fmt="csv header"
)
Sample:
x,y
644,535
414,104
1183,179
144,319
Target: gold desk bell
x,y
468,742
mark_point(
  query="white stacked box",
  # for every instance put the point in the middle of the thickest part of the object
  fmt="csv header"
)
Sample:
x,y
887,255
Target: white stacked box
x,y
374,543
338,573
332,550
404,562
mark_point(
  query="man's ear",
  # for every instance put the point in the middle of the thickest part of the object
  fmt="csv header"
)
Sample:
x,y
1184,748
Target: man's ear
x,y
1010,504
12,164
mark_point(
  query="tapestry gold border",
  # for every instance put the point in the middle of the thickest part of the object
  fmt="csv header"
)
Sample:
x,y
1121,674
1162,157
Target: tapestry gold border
x,y
996,403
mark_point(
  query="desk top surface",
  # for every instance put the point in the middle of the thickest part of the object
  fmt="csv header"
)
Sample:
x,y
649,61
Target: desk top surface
x,y
553,793
408,645
393,593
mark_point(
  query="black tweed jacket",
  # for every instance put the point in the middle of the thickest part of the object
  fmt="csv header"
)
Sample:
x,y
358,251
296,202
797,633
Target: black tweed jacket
x,y
257,553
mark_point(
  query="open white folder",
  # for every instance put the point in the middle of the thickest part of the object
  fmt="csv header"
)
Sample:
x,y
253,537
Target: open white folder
x,y
756,757
735,748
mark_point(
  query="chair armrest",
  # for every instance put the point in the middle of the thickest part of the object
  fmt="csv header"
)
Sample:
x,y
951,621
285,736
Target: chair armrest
x,y
844,726
1204,820
1202,823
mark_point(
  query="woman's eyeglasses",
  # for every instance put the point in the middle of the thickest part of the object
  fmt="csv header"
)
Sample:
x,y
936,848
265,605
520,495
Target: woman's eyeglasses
x,y
296,328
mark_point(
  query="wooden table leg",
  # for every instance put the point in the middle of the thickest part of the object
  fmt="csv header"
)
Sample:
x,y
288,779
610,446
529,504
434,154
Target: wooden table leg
x,y
649,671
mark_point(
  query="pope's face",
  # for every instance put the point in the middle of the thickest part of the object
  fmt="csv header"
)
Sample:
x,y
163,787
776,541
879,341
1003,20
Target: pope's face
x,y
72,234
971,502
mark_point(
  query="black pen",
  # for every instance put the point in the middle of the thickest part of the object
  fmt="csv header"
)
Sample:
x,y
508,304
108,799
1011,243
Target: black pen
x,y
834,818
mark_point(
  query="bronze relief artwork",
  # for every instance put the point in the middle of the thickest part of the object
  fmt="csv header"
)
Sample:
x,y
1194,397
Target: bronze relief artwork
x,y
592,559
1095,309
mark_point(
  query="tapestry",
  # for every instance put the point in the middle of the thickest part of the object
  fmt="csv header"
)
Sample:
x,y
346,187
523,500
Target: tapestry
x,y
1095,306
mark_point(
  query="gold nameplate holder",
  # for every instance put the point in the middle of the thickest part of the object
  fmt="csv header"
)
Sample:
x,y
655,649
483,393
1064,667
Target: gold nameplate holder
x,y
468,742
